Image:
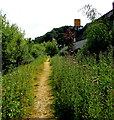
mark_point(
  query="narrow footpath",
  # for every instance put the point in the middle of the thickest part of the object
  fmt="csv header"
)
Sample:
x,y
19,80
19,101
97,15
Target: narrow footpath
x,y
43,96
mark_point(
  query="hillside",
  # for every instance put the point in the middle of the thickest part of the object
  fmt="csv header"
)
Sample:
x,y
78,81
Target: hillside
x,y
57,33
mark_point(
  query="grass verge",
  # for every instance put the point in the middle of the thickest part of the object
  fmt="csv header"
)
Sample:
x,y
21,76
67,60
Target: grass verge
x,y
17,93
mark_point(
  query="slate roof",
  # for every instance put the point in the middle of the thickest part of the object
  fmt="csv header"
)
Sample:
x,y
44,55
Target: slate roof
x,y
79,44
109,15
80,35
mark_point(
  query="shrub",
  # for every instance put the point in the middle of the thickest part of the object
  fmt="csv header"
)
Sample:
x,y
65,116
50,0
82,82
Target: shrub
x,y
51,48
37,50
98,37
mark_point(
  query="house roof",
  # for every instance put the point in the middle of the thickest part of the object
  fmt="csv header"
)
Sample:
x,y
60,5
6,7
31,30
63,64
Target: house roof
x,y
79,44
80,35
108,15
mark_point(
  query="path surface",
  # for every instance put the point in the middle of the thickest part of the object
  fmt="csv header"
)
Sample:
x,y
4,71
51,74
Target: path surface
x,y
43,96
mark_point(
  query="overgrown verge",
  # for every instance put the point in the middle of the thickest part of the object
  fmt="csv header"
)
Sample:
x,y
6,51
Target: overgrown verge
x,y
0,95
83,90
17,94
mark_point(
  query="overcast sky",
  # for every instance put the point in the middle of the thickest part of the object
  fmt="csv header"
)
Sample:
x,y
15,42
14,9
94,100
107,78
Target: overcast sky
x,y
37,17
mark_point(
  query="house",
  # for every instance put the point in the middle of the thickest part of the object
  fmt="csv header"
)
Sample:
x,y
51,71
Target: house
x,y
80,35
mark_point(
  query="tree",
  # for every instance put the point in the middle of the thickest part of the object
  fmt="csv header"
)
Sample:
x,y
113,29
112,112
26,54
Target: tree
x,y
37,50
98,37
69,38
51,48
57,33
15,49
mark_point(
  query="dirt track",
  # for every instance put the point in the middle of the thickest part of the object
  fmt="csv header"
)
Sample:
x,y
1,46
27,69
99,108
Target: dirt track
x,y
43,96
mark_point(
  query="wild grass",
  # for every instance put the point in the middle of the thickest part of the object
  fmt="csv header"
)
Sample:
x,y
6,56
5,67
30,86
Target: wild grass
x,y
83,89
0,95
17,93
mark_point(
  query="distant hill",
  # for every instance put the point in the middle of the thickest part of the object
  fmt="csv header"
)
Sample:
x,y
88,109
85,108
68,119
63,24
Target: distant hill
x,y
57,33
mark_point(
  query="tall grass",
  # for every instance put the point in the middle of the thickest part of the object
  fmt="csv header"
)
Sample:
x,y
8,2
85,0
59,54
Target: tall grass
x,y
83,90
0,95
17,95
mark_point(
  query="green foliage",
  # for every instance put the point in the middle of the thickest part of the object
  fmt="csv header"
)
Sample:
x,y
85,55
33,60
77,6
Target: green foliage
x,y
37,50
99,38
57,33
51,48
18,53
83,90
16,49
17,93
0,95
0,27
112,31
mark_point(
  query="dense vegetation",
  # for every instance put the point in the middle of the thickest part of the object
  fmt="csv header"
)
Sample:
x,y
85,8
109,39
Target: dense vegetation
x,y
20,58
17,91
56,33
83,88
15,48
99,38
83,84
18,50
51,48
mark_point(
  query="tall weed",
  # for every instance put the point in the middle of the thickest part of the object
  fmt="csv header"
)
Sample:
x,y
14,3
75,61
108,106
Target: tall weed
x,y
83,89
17,95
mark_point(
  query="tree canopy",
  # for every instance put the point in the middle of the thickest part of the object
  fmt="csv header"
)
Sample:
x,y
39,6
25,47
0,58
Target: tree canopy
x,y
56,33
16,50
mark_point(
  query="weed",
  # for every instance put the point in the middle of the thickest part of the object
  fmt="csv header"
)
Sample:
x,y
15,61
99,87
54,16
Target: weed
x,y
83,89
17,95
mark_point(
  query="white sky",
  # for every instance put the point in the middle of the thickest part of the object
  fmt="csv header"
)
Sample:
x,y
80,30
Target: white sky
x,y
37,17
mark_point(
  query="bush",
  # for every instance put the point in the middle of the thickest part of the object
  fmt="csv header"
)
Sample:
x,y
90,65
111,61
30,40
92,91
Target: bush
x,y
98,37
37,50
51,48
15,48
